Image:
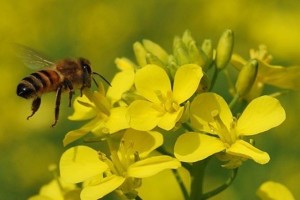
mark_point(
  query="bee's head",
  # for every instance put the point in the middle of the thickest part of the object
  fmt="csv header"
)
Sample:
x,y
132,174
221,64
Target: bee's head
x,y
86,65
86,72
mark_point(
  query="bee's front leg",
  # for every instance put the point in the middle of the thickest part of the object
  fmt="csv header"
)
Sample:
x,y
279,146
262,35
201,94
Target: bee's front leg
x,y
57,103
35,106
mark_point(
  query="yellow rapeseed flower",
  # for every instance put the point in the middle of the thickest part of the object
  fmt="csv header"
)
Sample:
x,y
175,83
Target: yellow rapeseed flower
x,y
162,101
221,132
278,76
122,171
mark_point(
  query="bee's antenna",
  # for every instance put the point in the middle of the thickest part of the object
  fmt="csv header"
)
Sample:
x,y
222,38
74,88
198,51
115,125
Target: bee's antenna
x,y
102,77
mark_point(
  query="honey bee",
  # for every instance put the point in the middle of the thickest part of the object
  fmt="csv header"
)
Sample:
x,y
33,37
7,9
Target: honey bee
x,y
64,75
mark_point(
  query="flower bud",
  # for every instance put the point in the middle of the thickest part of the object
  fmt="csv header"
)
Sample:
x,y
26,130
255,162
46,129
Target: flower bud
x,y
152,59
246,77
140,54
156,51
193,51
224,49
180,52
207,50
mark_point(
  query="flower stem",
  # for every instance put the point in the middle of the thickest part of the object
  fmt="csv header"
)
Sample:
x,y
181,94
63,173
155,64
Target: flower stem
x,y
181,185
187,127
197,175
222,187
234,100
214,78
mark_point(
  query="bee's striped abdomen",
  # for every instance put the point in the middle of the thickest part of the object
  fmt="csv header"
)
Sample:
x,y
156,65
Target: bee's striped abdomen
x,y
37,83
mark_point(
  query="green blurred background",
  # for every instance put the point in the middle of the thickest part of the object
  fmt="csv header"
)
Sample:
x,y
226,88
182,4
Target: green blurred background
x,y
104,30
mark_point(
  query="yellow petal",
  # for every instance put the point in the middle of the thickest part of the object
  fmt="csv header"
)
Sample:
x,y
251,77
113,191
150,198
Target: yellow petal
x,y
165,185
151,81
71,136
121,83
151,166
143,142
237,61
118,120
80,163
168,120
142,115
262,114
186,82
203,106
245,150
106,186
83,109
192,147
283,77
271,190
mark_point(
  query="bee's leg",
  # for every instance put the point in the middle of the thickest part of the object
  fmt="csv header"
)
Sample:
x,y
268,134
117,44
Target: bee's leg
x,y
35,106
69,85
57,103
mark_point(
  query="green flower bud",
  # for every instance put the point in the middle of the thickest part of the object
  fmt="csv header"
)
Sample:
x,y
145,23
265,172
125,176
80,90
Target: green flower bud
x,y
207,50
193,51
172,66
140,54
224,49
156,50
152,59
180,52
246,77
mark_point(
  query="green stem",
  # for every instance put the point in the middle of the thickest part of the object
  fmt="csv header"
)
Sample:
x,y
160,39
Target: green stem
x,y
222,187
197,176
187,127
181,185
234,100
138,198
214,78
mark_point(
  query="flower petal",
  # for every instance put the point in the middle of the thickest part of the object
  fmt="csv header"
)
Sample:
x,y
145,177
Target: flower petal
x,y
80,163
262,114
83,109
151,81
275,191
168,120
279,76
121,83
143,142
151,166
192,147
118,120
201,112
143,116
106,186
245,150
71,136
186,82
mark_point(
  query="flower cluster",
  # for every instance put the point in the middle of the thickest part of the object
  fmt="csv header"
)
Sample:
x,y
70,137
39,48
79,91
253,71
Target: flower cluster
x,y
173,94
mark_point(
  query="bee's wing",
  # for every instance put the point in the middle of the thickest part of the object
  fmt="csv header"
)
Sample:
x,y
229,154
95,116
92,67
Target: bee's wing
x,y
32,58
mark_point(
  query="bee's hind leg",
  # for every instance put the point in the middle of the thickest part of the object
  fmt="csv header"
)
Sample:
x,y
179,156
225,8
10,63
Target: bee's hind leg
x,y
35,106
57,104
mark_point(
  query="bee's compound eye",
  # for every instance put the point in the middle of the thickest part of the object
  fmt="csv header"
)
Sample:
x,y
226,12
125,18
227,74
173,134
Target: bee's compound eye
x,y
24,91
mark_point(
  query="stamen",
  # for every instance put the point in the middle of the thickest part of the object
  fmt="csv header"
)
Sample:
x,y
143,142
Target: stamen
x,y
221,129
